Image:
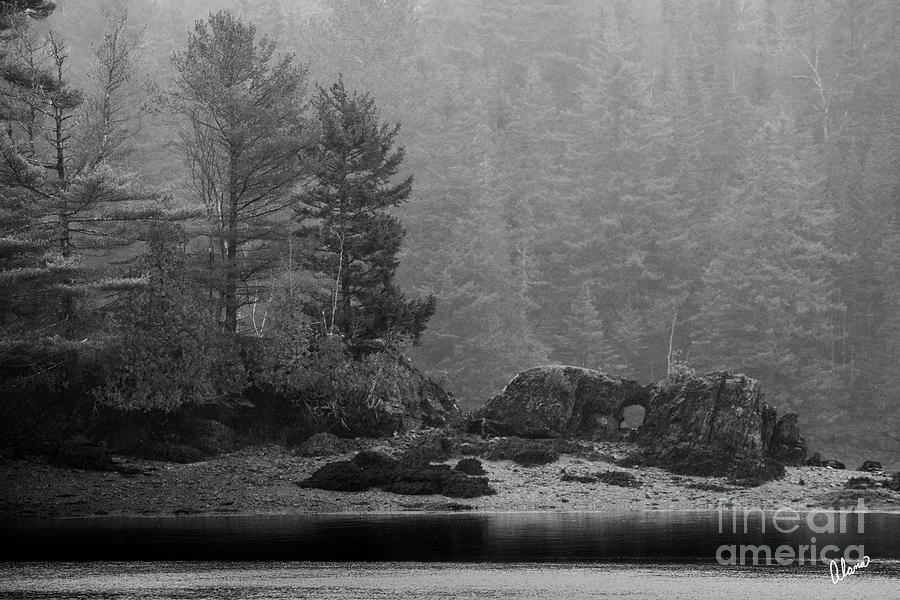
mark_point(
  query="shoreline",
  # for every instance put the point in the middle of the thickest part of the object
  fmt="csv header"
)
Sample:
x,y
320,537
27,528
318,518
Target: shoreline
x,y
7,521
262,481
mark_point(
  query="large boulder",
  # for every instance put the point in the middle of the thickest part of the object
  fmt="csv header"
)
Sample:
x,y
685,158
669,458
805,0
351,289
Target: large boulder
x,y
716,424
560,402
787,446
406,399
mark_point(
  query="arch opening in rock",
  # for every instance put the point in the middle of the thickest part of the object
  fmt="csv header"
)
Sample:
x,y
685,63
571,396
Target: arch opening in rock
x,y
633,416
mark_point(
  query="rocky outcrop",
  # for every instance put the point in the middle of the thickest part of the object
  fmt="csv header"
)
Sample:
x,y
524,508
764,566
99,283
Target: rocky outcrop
x,y
419,401
560,401
402,398
716,424
787,446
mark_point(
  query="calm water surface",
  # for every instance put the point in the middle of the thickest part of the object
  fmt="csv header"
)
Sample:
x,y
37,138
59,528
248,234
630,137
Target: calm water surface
x,y
654,554
414,581
659,536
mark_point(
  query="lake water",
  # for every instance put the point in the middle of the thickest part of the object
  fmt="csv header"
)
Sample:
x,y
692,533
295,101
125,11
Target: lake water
x,y
495,555
413,581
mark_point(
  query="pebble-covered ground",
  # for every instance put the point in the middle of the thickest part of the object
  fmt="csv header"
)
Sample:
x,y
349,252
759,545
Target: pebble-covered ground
x,y
262,480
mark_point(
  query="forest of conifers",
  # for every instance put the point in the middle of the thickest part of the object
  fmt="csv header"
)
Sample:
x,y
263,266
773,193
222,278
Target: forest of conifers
x,y
617,184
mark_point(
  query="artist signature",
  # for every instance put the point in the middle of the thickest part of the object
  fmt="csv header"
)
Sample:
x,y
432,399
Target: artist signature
x,y
845,571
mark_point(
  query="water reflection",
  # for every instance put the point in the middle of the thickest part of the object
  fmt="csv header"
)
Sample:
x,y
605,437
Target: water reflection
x,y
483,537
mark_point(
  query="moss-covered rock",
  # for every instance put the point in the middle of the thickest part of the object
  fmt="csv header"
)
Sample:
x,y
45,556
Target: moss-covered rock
x,y
715,424
560,401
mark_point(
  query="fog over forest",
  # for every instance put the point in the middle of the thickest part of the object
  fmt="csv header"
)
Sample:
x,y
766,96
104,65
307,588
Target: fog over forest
x,y
633,186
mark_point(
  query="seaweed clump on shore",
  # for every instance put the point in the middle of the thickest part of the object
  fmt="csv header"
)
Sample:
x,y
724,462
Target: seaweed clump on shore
x,y
370,469
528,453
619,478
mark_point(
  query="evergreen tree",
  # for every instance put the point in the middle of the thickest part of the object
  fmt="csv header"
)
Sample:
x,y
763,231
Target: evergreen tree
x,y
29,268
95,205
354,241
584,341
69,204
768,306
243,135
170,352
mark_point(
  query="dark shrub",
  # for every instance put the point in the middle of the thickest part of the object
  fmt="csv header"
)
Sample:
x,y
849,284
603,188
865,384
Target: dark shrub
x,y
171,351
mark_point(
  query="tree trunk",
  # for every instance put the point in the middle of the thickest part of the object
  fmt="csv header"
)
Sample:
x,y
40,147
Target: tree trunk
x,y
230,288
347,317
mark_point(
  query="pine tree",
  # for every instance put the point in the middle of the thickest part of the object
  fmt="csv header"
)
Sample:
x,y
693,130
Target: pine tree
x,y
584,341
29,268
354,241
243,135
